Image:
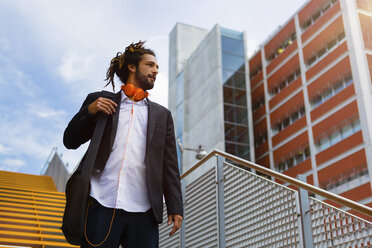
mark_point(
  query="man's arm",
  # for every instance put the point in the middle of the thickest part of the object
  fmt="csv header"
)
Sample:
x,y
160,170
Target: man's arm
x,y
81,127
171,179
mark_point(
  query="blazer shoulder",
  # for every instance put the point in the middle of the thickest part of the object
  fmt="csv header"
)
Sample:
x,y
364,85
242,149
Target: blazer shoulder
x,y
94,94
109,94
103,93
159,107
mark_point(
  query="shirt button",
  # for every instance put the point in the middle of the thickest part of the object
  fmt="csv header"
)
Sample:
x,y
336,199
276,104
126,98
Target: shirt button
x,y
98,171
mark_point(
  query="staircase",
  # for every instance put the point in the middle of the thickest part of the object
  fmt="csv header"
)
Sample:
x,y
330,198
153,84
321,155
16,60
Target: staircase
x,y
31,211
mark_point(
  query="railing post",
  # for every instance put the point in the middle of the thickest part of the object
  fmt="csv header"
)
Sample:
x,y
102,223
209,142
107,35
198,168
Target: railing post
x,y
307,232
220,203
182,231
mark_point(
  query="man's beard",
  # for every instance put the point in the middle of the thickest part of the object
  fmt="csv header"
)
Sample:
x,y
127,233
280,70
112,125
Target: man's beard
x,y
143,81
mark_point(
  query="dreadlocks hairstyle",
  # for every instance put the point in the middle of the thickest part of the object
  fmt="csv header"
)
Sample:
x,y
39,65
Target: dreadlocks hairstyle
x,y
119,64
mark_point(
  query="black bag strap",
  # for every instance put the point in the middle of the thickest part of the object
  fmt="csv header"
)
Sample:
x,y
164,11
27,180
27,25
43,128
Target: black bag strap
x,y
91,155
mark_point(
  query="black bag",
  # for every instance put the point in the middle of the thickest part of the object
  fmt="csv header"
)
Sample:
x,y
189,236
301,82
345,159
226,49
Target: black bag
x,y
78,189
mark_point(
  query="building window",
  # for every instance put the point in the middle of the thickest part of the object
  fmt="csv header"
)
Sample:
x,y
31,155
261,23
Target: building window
x,y
262,138
254,72
258,104
283,84
331,91
317,14
234,93
345,177
329,47
294,116
292,161
281,48
232,46
337,136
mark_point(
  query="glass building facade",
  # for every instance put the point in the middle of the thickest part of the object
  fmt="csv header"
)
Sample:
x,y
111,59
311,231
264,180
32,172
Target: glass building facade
x,y
234,93
215,62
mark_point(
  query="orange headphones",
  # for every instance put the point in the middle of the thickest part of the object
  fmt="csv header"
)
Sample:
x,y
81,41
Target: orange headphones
x,y
137,93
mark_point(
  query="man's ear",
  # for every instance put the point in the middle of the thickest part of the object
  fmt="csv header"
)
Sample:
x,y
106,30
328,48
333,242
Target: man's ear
x,y
132,68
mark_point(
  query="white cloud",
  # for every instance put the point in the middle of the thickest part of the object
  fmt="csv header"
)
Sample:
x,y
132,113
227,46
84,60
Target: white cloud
x,y
76,67
4,149
29,142
11,169
156,38
4,43
45,112
12,79
29,136
13,162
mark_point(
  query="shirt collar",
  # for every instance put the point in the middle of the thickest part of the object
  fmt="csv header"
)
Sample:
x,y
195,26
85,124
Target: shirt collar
x,y
125,98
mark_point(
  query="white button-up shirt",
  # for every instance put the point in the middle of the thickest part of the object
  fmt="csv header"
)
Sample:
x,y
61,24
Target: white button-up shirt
x,y
122,184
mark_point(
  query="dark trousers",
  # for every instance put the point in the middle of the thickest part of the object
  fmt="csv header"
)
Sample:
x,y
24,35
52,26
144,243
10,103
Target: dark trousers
x,y
108,228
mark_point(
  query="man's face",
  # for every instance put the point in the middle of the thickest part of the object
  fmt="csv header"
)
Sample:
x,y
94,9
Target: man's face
x,y
147,71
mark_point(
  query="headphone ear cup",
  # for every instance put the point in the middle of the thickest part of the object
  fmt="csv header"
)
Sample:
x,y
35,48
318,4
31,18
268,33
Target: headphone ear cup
x,y
139,94
129,90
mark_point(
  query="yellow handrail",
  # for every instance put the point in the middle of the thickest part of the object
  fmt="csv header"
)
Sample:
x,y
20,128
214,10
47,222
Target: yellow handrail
x,y
336,198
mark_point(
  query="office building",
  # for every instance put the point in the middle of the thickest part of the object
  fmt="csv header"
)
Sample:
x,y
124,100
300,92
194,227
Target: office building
x,y
311,91
207,90
306,92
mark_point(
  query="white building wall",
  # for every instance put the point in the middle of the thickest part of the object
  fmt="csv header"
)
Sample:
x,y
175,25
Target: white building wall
x,y
58,171
203,98
183,40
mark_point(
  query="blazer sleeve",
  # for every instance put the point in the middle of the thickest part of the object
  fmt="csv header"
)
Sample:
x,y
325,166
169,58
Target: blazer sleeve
x,y
171,176
80,128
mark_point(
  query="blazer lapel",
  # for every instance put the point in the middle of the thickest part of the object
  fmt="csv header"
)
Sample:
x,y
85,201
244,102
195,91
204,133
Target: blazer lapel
x,y
150,123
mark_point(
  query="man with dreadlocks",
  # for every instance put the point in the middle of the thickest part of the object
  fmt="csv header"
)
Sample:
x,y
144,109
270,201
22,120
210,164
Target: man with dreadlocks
x,y
136,163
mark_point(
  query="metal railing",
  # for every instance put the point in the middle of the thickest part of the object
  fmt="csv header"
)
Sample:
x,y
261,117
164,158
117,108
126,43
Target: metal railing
x,y
227,206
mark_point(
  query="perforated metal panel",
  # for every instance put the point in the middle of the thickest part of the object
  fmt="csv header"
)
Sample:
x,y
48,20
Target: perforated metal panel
x,y
165,241
335,228
258,212
201,212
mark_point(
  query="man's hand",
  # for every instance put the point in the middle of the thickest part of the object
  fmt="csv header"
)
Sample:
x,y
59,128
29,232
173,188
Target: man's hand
x,y
102,104
177,219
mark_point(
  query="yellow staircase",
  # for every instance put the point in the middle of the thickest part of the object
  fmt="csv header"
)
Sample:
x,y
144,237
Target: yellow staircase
x,y
31,211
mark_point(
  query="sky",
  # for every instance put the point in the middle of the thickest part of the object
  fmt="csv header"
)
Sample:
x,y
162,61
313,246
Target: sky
x,y
54,52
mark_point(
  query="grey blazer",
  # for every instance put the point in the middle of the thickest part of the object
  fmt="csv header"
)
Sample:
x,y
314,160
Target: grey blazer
x,y
162,172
